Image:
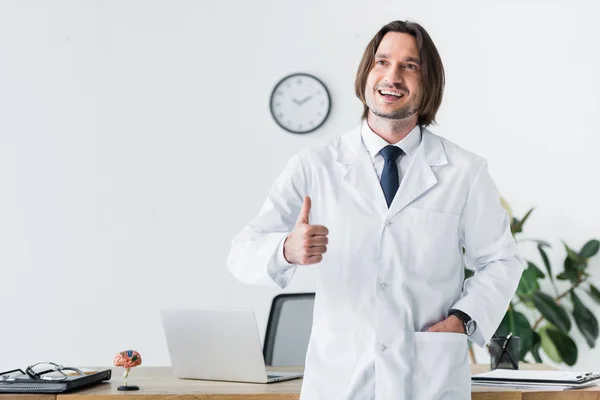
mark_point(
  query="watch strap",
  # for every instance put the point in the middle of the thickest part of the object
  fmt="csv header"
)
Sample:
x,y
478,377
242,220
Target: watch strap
x,y
463,316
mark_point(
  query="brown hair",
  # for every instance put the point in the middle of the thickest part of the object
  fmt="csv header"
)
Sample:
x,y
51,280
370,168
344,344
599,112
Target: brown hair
x,y
432,70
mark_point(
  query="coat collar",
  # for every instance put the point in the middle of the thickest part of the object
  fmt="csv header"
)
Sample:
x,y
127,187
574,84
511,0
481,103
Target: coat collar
x,y
374,143
360,174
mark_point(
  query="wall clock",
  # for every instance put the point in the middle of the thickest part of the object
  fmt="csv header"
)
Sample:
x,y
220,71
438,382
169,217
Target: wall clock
x,y
300,103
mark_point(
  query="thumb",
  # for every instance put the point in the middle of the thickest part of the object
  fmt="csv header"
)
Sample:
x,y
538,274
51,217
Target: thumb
x,y
303,217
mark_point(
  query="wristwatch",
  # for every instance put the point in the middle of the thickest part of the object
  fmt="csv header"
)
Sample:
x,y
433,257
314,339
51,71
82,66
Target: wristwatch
x,y
470,324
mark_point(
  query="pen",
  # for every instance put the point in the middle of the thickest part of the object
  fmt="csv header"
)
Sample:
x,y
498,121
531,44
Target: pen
x,y
506,342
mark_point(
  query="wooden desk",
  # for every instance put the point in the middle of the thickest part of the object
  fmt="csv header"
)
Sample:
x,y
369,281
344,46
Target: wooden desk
x,y
157,383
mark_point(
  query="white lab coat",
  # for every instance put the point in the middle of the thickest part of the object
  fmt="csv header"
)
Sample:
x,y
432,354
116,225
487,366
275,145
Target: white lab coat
x,y
389,274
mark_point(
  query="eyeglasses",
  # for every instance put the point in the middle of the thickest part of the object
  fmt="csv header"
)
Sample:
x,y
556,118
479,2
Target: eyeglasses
x,y
49,371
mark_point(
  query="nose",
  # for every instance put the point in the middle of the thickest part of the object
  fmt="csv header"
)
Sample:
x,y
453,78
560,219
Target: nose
x,y
395,75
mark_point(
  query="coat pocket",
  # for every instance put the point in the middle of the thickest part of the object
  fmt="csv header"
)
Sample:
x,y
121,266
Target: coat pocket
x,y
430,241
441,366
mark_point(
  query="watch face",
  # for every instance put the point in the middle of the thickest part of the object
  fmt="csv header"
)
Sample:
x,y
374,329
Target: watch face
x,y
470,327
300,103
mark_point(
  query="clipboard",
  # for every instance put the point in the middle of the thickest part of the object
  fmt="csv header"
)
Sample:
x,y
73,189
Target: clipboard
x,y
536,377
17,381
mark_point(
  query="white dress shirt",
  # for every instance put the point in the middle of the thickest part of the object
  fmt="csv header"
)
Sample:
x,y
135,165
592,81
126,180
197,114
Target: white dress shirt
x,y
374,143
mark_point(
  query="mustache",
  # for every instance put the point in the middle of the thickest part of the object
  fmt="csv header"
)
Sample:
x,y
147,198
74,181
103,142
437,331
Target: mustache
x,y
396,86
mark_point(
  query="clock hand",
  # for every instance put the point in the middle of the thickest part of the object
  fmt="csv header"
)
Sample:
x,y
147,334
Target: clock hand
x,y
304,100
296,101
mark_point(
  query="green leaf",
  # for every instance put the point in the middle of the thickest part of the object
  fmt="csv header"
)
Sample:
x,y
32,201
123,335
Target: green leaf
x,y
134,358
590,249
570,273
528,282
523,330
553,312
546,261
526,301
526,217
549,346
573,255
517,225
569,265
536,341
594,293
563,276
504,327
542,243
538,272
565,346
585,320
581,267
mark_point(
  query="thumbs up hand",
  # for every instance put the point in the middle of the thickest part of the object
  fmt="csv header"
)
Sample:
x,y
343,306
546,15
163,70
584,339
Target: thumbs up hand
x,y
307,243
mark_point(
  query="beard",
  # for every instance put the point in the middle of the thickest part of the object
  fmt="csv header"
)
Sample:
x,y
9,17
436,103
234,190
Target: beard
x,y
402,113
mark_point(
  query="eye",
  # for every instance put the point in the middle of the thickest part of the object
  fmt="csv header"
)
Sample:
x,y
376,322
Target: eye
x,y
411,66
380,62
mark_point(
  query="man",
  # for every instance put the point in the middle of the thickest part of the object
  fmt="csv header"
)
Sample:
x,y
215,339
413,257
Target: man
x,y
385,212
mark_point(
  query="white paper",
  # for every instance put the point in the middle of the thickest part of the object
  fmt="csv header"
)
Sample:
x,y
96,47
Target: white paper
x,y
533,386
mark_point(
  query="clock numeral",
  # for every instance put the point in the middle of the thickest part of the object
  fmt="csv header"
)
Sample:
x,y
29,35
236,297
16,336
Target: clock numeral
x,y
312,122
299,81
300,126
289,122
279,93
319,114
277,104
323,102
280,115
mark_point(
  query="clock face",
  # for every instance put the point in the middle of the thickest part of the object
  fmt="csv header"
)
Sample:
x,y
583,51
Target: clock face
x,y
300,103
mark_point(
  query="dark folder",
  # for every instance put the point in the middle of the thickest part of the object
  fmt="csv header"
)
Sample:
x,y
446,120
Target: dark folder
x,y
17,381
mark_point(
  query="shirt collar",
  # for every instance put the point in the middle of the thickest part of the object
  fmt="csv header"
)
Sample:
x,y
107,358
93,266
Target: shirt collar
x,y
374,143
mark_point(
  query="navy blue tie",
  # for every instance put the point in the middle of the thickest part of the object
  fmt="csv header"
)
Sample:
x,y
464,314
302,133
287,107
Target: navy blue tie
x,y
389,178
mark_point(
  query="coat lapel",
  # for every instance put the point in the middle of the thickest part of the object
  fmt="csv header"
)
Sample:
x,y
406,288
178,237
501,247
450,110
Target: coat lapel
x,y
420,176
359,174
358,171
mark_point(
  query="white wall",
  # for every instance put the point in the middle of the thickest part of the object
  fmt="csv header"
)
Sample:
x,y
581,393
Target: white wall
x,y
136,140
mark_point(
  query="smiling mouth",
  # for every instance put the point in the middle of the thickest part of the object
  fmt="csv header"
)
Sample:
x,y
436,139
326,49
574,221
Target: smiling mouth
x,y
390,95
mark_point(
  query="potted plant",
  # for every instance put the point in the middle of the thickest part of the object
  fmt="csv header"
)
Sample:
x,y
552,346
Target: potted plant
x,y
544,320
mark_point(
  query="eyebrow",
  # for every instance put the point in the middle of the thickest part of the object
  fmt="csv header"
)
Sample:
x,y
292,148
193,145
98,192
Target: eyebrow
x,y
407,59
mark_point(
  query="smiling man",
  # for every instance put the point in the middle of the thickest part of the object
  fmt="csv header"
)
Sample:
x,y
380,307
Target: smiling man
x,y
394,99
384,212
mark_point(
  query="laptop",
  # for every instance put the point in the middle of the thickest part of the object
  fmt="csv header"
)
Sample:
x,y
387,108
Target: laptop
x,y
222,345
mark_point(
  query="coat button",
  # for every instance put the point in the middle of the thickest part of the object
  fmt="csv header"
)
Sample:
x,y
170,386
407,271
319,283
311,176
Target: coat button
x,y
384,285
383,347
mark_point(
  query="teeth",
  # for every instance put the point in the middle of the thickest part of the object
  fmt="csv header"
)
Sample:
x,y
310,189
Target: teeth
x,y
391,93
